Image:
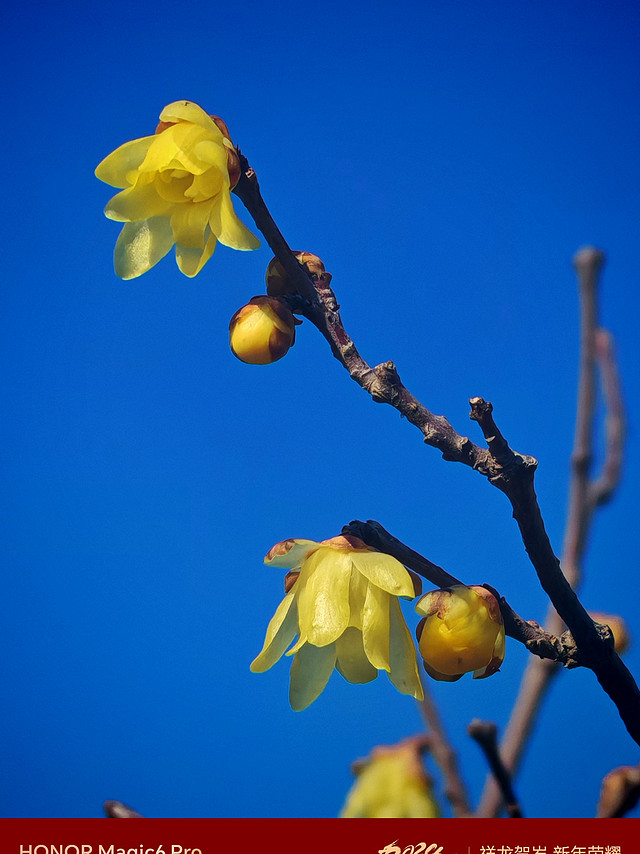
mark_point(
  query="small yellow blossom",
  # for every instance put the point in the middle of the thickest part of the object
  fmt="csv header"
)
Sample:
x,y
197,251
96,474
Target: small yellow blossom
x,y
392,783
462,632
175,190
342,602
262,331
618,626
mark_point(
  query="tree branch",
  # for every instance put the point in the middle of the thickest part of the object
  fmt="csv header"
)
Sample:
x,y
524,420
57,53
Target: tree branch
x,y
584,496
444,756
484,733
509,471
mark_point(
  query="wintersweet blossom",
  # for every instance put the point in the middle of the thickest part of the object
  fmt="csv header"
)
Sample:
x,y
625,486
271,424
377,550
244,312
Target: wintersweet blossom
x,y
176,189
262,331
392,783
342,603
462,631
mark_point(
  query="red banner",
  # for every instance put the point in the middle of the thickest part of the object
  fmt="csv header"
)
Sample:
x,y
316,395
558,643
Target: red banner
x,y
319,836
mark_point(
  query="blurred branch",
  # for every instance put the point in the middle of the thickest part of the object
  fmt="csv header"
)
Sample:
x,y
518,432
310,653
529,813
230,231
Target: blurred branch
x,y
485,734
506,469
445,757
116,809
596,350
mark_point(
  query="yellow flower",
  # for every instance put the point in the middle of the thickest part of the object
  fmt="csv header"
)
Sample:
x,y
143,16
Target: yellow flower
x,y
618,626
262,331
176,189
342,602
462,632
392,783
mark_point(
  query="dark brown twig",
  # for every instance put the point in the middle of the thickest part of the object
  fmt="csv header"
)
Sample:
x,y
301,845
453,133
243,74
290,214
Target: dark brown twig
x,y
596,348
484,733
116,809
507,470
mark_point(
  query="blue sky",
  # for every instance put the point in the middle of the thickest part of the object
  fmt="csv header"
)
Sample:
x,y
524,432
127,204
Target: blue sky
x,y
446,160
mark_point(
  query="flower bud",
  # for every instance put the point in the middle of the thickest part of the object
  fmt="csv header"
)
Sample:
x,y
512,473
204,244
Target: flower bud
x,y
618,628
462,632
279,283
262,331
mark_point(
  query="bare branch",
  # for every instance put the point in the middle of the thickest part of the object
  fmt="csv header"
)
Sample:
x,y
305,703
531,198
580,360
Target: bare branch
x,y
584,496
509,471
116,809
444,756
485,733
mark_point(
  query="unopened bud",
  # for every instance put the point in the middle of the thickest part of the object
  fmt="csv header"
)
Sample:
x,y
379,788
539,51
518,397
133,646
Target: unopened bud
x,y
462,632
279,283
262,331
618,626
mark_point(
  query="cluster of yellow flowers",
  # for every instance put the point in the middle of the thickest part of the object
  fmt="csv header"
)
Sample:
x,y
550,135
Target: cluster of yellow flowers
x,y
342,603
342,600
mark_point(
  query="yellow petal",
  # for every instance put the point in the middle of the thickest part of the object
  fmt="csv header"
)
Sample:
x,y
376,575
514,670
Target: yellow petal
x,y
175,148
116,166
280,632
189,222
191,260
290,554
187,111
375,627
138,202
323,596
310,672
227,226
385,572
141,245
352,661
402,655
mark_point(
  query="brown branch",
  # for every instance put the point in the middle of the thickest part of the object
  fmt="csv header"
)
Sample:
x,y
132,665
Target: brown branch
x,y
584,496
509,471
484,733
539,642
445,757
116,809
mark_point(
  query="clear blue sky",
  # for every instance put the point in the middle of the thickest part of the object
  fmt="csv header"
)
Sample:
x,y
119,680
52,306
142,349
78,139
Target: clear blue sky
x,y
446,159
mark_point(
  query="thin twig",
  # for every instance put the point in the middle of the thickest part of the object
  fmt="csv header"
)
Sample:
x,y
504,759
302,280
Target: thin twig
x,y
596,348
444,756
485,733
116,809
507,470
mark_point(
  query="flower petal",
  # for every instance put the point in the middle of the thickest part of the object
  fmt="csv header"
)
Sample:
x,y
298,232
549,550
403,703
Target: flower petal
x,y
310,672
135,203
229,229
187,111
375,627
175,148
281,631
290,554
352,662
189,222
141,245
191,259
323,595
116,166
385,572
402,655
